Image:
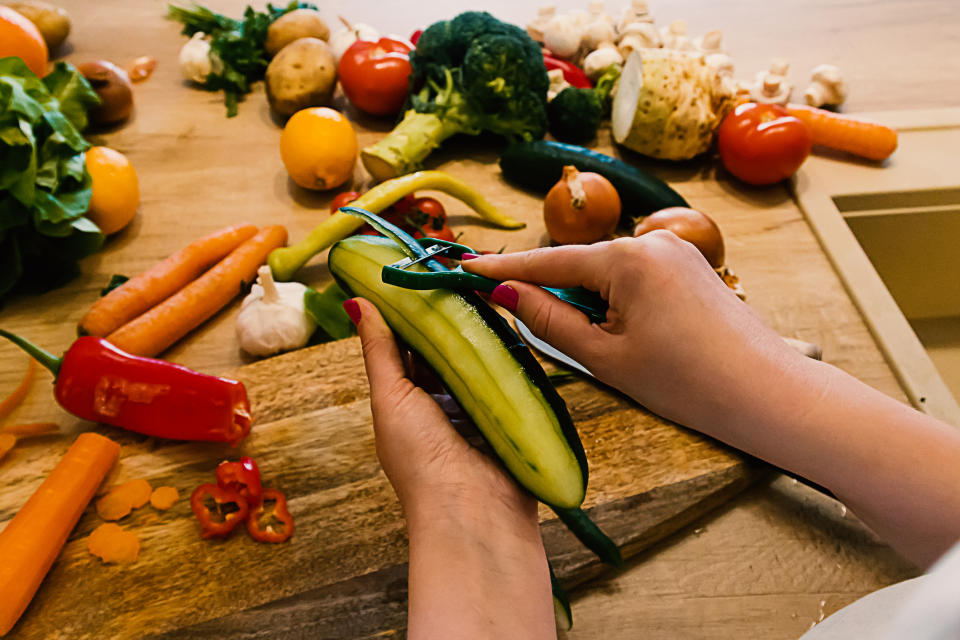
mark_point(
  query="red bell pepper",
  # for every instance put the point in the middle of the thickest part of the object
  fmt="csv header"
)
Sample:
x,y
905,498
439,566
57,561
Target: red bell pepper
x,y
571,72
241,477
98,382
270,524
219,510
375,75
416,36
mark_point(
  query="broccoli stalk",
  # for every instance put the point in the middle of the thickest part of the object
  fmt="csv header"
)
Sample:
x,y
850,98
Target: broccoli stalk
x,y
470,74
576,114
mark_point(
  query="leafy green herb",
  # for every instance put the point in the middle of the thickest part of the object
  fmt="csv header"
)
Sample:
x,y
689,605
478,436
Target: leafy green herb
x,y
326,309
115,281
239,44
44,184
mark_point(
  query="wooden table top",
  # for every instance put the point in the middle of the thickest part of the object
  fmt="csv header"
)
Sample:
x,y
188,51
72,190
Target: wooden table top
x,y
770,563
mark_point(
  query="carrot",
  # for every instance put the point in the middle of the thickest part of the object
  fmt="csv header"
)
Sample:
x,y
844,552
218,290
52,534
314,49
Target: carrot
x,y
114,505
16,398
7,442
843,133
112,543
32,540
29,429
163,498
157,329
139,491
141,293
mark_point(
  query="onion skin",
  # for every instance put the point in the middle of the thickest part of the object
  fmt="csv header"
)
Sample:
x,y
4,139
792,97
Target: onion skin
x,y
113,86
581,208
695,227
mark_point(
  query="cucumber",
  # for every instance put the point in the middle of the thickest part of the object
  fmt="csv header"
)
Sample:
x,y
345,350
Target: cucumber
x,y
484,365
539,165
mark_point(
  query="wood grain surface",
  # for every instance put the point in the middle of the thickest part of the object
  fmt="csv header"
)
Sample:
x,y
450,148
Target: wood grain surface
x,y
768,565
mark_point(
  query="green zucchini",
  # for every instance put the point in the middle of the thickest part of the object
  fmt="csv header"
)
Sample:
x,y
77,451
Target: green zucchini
x,y
562,612
539,165
484,365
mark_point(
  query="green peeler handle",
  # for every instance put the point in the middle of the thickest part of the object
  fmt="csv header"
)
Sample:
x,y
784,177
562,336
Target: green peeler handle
x,y
584,300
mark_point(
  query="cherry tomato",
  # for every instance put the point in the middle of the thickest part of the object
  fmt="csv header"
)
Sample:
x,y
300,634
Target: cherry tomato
x,y
762,143
403,205
443,233
374,75
343,199
426,212
416,36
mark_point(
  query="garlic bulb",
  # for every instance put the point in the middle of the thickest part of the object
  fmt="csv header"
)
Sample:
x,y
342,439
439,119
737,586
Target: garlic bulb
x,y
197,61
341,40
272,317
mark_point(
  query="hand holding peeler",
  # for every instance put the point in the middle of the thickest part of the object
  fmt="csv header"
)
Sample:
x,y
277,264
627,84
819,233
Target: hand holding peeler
x,y
399,274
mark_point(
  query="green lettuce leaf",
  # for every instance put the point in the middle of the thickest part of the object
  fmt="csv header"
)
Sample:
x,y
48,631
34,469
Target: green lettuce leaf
x,y
73,92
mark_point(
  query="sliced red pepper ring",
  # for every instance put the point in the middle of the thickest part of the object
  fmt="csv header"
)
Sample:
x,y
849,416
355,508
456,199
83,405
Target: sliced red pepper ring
x,y
241,477
218,510
270,521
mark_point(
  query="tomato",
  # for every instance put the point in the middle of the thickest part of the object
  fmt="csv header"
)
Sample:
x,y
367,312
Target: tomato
x,y
374,75
426,212
416,36
762,143
403,205
343,199
443,233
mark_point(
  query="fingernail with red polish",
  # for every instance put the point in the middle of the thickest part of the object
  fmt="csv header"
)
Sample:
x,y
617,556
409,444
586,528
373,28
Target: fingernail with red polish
x,y
506,296
468,256
353,310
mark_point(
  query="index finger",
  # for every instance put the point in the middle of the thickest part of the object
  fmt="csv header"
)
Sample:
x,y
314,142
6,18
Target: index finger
x,y
566,266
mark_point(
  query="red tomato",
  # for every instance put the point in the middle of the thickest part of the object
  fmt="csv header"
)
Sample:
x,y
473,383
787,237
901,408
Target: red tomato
x,y
403,205
416,36
443,233
762,143
343,199
426,212
374,75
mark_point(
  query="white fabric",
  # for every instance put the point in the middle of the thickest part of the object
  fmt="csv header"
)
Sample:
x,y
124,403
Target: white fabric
x,y
925,608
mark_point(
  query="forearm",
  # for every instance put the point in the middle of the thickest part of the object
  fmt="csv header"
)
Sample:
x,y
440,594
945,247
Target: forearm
x,y
477,573
896,468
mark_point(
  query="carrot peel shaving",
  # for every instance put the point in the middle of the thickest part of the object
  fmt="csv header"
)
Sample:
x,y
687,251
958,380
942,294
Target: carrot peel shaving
x,y
16,398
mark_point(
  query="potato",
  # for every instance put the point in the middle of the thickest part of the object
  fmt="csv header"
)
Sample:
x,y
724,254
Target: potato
x,y
302,75
301,23
52,22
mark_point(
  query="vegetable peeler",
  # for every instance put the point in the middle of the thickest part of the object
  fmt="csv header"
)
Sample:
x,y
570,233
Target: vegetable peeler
x,y
400,275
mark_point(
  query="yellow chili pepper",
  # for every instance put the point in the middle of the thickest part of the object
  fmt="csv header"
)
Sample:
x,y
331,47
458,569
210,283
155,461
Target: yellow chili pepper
x,y
287,261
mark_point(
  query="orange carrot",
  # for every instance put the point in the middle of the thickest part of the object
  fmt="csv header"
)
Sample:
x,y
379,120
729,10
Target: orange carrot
x,y
843,133
7,442
114,505
33,539
139,491
29,429
157,329
159,282
16,398
112,543
163,498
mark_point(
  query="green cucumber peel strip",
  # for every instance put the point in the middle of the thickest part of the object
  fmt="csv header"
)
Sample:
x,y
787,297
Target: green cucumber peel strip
x,y
587,532
408,244
326,310
561,602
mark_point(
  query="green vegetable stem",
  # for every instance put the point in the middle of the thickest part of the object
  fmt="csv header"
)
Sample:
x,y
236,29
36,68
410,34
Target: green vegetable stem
x,y
470,74
239,44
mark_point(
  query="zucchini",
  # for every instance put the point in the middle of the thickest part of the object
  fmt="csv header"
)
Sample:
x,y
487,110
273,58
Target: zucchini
x,y
484,365
539,165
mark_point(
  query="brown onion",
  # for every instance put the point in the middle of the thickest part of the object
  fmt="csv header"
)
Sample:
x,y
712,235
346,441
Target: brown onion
x,y
113,86
693,226
581,208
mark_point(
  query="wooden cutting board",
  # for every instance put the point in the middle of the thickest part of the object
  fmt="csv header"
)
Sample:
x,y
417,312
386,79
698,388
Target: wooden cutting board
x,y
343,575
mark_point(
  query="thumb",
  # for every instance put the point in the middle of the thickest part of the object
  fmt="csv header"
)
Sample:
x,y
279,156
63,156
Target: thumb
x,y
552,320
381,356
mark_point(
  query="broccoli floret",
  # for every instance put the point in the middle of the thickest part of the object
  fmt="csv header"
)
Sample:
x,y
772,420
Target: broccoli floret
x,y
470,74
576,114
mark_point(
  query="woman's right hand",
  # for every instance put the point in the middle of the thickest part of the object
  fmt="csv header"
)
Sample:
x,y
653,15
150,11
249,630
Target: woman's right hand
x,y
676,339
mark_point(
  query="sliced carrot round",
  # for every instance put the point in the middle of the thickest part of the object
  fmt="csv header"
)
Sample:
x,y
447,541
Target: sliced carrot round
x,y
139,491
163,498
112,543
114,505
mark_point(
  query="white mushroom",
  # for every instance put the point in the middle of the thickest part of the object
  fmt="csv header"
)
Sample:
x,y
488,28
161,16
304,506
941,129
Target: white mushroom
x,y
639,35
598,32
772,87
580,17
600,60
557,83
827,87
598,12
721,63
675,36
711,42
544,14
562,36
636,12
